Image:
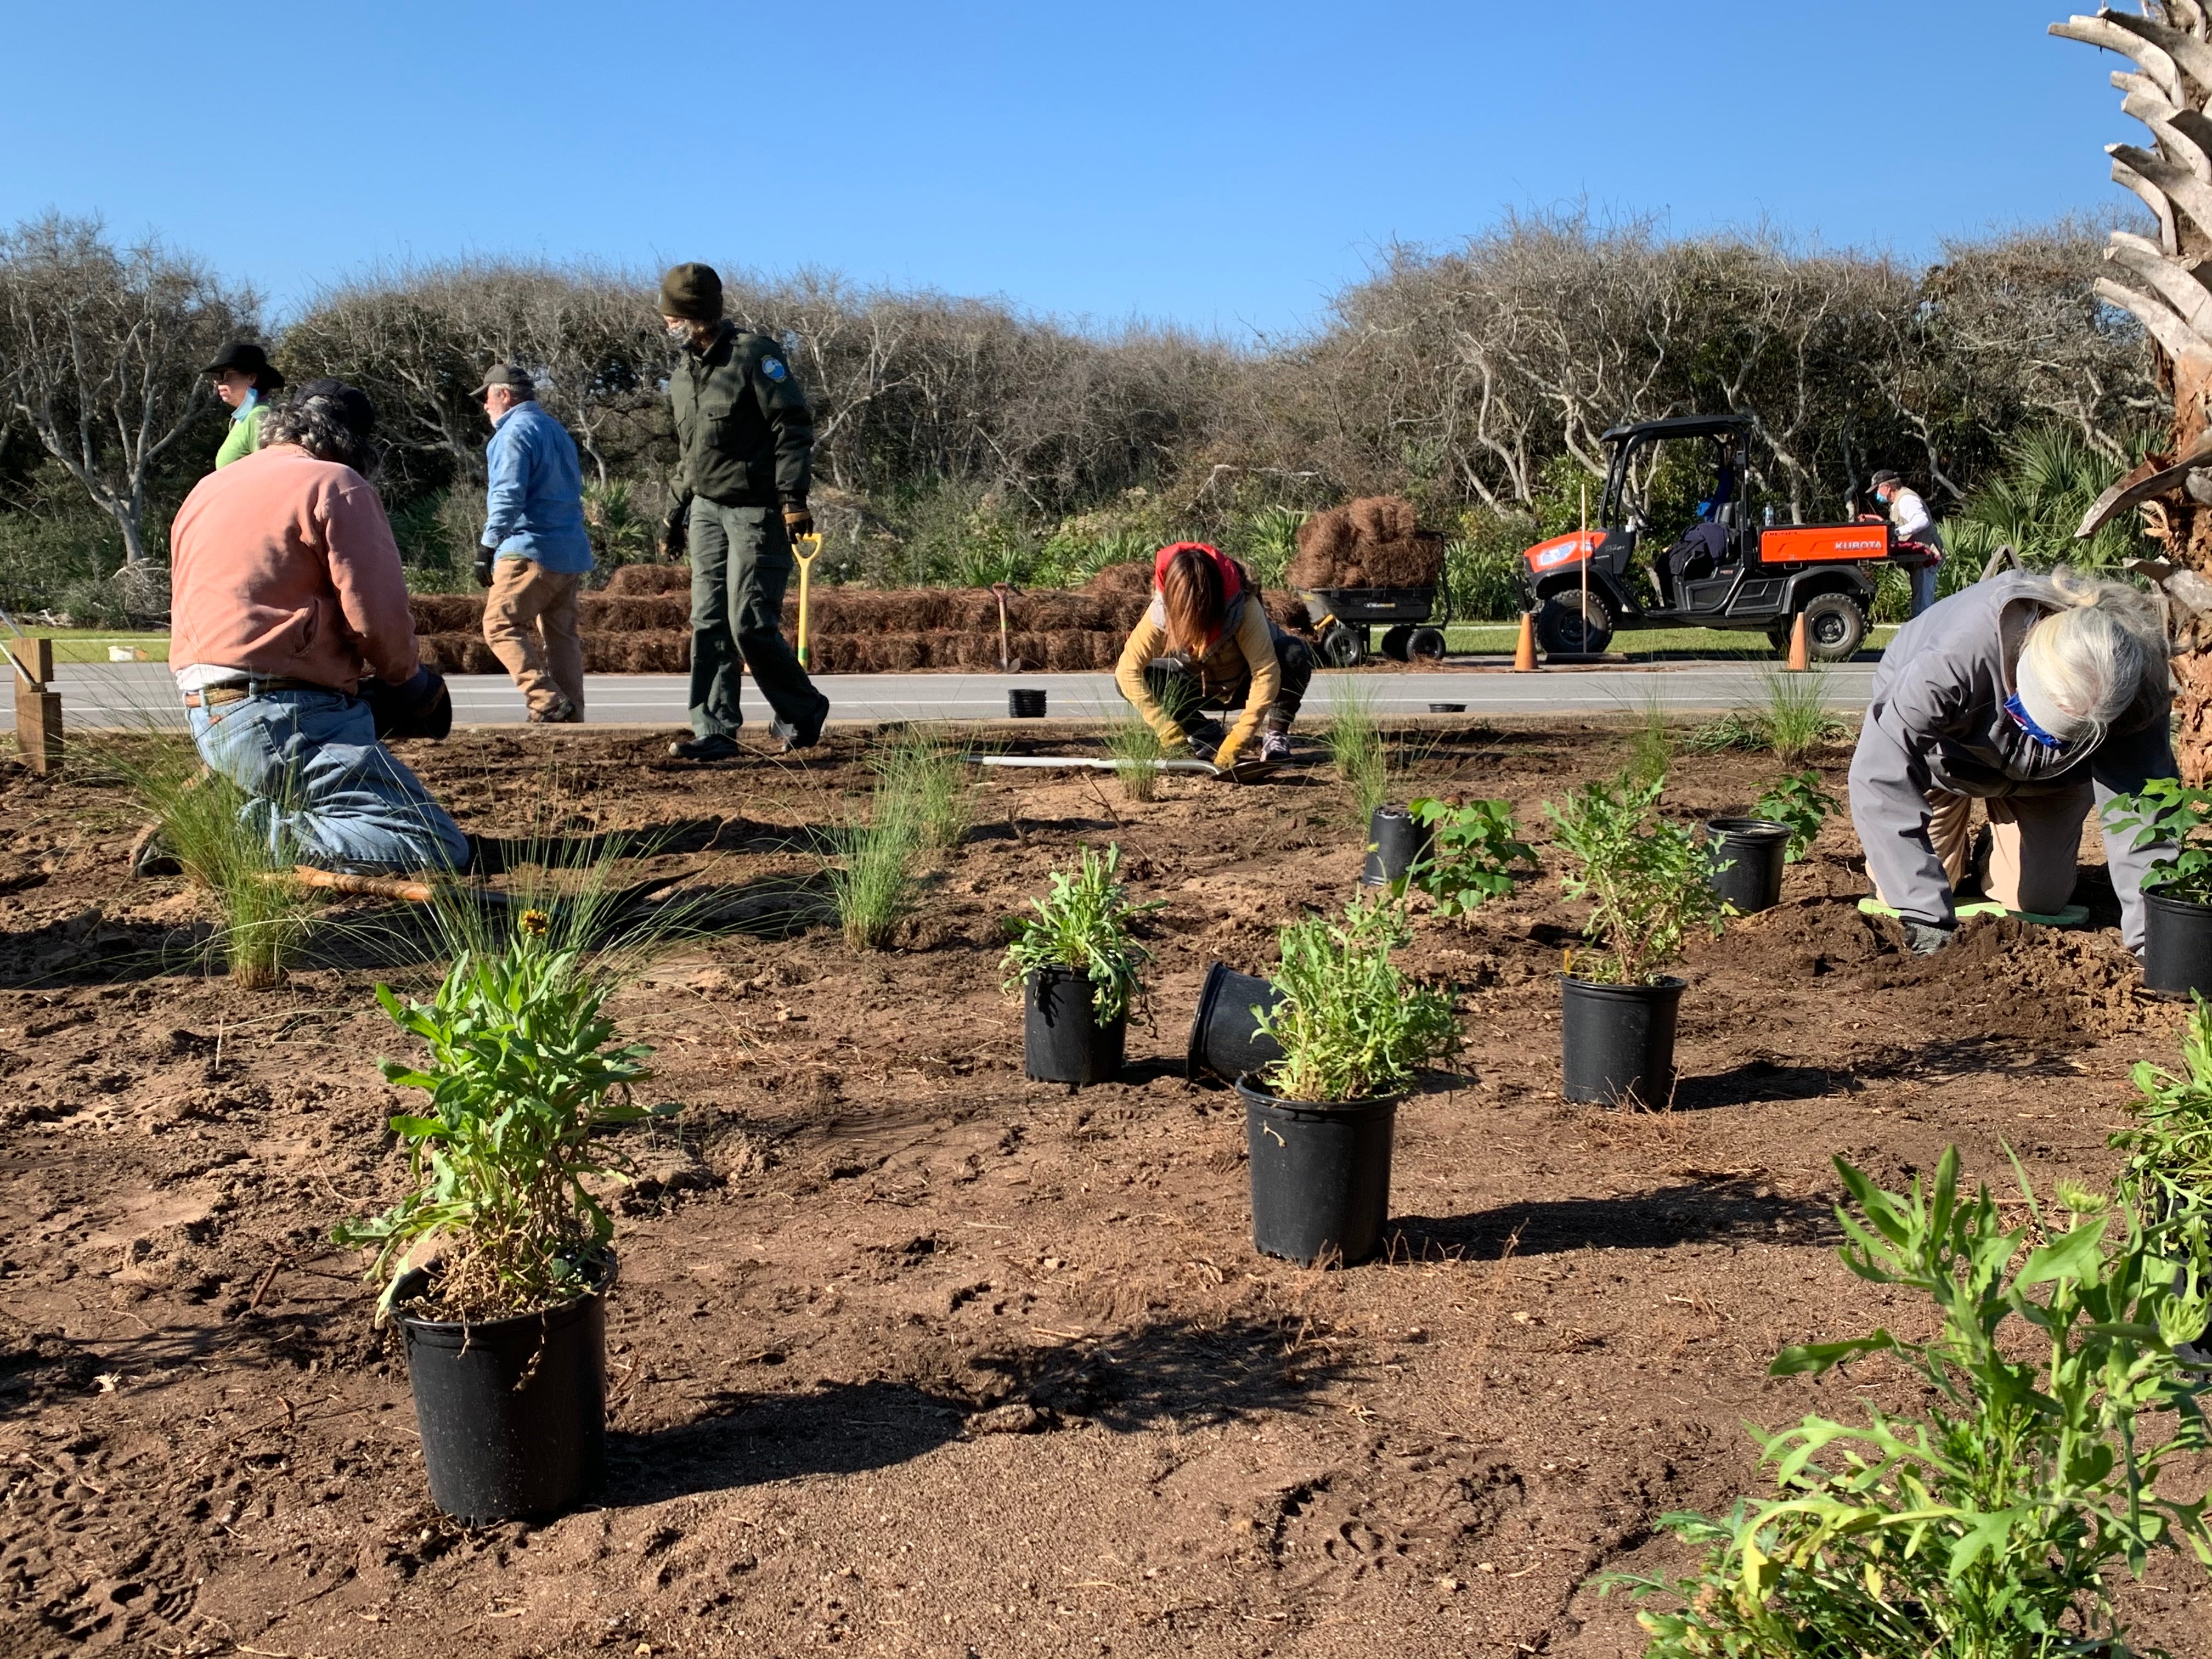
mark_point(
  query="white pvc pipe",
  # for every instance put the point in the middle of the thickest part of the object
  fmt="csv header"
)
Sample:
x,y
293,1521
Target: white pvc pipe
x,y
1094,765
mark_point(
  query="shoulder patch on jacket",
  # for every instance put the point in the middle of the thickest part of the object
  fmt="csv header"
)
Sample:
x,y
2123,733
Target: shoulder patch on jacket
x,y
774,369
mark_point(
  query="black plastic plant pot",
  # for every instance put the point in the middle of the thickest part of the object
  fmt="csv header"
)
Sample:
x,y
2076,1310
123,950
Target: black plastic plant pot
x,y
1225,1038
1320,1174
1026,703
512,1412
1447,708
1617,1042
1062,1041
2177,945
1394,841
1752,849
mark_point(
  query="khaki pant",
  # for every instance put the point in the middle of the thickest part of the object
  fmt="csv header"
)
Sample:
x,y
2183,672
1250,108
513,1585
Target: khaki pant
x,y
2035,845
530,623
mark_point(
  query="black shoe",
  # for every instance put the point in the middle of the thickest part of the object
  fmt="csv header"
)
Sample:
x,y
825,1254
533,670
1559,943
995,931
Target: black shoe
x,y
785,738
715,747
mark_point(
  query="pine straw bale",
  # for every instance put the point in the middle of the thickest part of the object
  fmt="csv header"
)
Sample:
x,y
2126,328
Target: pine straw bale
x,y
665,653
1376,519
1288,611
456,654
621,613
1324,538
447,613
643,581
1132,579
1410,562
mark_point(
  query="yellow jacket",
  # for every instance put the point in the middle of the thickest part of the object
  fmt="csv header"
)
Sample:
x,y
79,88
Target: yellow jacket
x,y
1246,646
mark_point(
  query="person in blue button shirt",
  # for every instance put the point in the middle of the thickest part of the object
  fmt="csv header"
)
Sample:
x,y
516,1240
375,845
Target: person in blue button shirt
x,y
535,552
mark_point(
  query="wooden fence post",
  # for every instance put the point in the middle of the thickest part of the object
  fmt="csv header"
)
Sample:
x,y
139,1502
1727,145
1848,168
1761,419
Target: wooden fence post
x,y
38,709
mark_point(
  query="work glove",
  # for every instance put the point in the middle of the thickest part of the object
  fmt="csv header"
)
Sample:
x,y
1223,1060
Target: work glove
x,y
420,706
1225,756
1922,940
484,558
797,521
675,532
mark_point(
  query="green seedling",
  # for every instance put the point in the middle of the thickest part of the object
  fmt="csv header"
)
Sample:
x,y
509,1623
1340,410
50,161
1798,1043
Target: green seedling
x,y
1473,850
1797,799
1083,926
1646,879
1988,1523
2167,812
1136,749
1351,1026
523,1075
2168,1174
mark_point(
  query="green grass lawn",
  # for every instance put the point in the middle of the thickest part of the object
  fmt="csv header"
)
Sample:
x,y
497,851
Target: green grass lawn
x,y
1646,645
91,644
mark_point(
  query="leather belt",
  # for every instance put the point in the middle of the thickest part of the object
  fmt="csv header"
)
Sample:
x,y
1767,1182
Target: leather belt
x,y
214,696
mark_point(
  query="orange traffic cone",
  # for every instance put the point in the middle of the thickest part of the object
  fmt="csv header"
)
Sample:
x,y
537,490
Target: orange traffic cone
x,y
1524,648
1801,655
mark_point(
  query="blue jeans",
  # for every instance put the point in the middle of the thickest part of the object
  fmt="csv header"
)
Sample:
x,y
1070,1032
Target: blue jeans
x,y
1924,587
324,790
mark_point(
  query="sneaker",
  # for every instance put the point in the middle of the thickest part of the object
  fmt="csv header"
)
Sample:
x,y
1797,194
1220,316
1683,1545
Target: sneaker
x,y
1275,747
713,747
562,712
151,854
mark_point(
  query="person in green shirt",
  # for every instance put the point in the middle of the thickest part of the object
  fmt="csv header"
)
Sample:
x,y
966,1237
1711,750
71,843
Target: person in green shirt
x,y
243,379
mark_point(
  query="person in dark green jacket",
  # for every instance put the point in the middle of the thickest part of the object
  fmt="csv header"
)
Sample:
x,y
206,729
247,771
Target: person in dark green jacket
x,y
747,444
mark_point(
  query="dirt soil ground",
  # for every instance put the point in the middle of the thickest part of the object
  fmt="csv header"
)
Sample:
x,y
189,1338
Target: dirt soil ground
x,y
912,1357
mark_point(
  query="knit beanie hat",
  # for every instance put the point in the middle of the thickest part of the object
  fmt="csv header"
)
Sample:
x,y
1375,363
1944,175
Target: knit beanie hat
x,y
691,290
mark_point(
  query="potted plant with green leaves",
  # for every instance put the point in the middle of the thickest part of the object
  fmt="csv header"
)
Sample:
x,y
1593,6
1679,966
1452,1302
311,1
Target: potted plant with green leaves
x,y
2177,892
1648,887
1077,967
497,1260
1797,801
1319,1122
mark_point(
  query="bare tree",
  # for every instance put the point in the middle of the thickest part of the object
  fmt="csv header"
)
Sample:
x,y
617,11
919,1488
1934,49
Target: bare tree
x,y
101,349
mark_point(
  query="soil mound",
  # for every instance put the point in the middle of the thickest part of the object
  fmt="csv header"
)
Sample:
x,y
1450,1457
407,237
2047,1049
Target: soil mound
x,y
2021,980
1372,542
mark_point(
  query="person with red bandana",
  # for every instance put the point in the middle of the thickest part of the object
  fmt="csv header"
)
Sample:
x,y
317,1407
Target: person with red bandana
x,y
1204,642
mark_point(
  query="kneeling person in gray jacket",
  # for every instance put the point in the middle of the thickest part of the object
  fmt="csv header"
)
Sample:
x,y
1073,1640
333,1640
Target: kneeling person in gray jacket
x,y
2039,696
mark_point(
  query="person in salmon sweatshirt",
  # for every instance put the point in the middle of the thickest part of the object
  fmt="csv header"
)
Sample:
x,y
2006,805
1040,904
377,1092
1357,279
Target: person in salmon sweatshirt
x,y
289,615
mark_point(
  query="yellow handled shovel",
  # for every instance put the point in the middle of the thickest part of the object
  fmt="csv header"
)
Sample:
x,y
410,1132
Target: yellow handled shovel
x,y
806,549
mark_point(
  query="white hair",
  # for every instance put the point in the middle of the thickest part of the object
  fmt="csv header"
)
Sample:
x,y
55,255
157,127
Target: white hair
x,y
2082,666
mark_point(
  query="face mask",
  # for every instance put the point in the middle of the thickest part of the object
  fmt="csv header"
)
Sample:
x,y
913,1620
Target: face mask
x,y
679,334
2014,708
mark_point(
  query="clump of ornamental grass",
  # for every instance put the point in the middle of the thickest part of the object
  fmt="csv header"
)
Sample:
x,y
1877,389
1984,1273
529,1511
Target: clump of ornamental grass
x,y
1082,926
524,1075
1652,743
1137,752
1646,879
1791,718
926,781
1354,736
221,838
1990,1521
1351,1026
871,875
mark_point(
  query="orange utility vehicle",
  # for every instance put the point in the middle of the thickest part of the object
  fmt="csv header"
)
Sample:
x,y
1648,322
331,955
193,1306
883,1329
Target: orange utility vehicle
x,y
1754,577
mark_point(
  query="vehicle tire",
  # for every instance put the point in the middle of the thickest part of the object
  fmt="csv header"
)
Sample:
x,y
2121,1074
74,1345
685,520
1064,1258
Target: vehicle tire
x,y
1427,645
1835,627
1571,625
1394,641
1342,648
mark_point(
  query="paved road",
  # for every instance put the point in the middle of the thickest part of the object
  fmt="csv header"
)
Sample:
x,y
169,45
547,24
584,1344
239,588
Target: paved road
x,y
139,694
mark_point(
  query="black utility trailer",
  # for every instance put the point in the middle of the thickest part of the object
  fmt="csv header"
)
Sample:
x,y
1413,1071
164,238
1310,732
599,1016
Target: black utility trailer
x,y
1408,617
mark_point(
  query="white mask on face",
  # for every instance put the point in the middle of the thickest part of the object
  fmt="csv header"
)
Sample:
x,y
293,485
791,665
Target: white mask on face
x,y
679,334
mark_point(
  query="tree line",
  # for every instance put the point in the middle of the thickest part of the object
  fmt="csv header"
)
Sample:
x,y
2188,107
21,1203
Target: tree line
x,y
1475,380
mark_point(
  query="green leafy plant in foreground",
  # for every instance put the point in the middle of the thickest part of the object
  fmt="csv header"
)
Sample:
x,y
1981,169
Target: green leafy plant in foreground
x,y
1646,879
1083,925
1797,799
1986,1527
2168,1174
1473,849
1350,1024
523,1073
2168,813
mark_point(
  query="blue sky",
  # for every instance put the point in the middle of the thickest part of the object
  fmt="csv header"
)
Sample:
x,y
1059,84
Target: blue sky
x,y
1224,166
